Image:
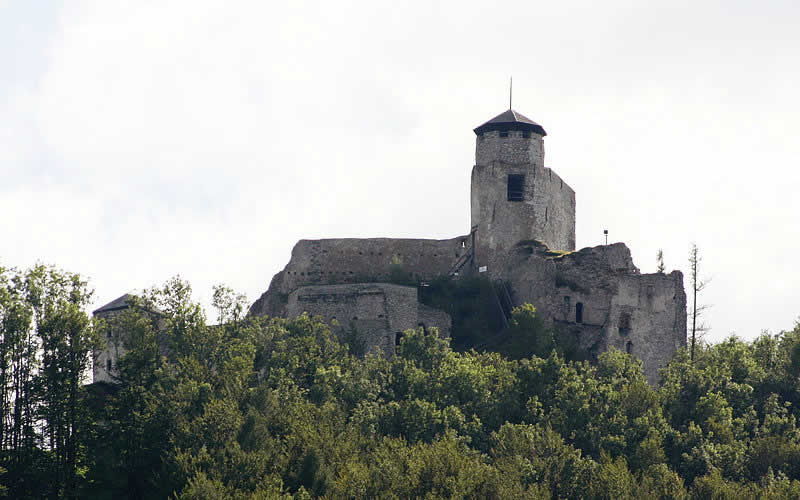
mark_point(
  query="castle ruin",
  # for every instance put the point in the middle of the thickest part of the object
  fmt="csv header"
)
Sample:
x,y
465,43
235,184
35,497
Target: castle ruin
x,y
522,239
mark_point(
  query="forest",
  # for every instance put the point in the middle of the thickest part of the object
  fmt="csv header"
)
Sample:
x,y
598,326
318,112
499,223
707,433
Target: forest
x,y
221,405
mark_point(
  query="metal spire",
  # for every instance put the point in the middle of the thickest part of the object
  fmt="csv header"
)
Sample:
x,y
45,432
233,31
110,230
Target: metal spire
x,y
510,91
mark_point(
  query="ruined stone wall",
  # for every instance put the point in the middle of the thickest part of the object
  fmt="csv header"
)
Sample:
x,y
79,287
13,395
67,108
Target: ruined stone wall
x,y
514,149
619,307
546,214
374,312
353,260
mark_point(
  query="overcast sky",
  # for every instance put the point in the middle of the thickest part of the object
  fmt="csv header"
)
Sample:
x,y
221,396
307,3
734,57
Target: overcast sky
x,y
139,140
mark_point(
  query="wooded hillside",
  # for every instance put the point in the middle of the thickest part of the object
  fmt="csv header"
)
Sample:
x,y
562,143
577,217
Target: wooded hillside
x,y
272,408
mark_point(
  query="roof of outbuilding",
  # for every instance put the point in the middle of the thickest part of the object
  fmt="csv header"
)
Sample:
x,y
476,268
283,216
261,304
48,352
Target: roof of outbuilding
x,y
116,304
511,120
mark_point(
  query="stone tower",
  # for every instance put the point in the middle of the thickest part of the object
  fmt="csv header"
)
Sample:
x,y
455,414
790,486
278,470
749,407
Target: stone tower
x,y
514,196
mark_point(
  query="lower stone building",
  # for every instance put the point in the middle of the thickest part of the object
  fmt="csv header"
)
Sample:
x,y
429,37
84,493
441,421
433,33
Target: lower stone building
x,y
371,315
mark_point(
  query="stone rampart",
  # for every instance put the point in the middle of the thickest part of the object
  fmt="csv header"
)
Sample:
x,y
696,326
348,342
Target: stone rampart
x,y
356,260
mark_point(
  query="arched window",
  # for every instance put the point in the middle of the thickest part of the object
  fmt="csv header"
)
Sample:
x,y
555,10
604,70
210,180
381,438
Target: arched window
x,y
629,347
108,365
397,337
579,312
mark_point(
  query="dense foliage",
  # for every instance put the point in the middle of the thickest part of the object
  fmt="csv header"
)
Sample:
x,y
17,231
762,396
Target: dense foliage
x,y
273,408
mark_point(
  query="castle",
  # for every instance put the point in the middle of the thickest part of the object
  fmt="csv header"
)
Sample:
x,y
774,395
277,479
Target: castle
x,y
522,238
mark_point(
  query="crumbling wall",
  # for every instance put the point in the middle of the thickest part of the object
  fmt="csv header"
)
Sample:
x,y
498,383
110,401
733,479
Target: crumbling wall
x,y
372,314
599,296
353,260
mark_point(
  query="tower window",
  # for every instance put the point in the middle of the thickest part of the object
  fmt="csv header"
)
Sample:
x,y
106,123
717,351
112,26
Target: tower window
x,y
108,365
397,337
504,133
579,312
516,187
629,347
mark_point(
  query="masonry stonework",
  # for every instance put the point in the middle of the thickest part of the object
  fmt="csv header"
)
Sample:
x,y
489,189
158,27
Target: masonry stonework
x,y
546,212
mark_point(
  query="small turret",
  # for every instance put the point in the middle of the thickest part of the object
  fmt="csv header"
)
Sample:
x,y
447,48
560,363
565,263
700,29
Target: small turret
x,y
510,138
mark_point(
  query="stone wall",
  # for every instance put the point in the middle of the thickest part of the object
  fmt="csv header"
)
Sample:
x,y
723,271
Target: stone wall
x,y
546,214
376,312
644,315
515,149
354,260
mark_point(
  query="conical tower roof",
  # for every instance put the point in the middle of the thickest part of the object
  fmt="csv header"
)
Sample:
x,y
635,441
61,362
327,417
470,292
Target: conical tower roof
x,y
511,120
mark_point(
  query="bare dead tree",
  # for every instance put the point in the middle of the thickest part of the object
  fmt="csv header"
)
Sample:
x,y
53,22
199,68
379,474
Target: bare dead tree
x,y
698,285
